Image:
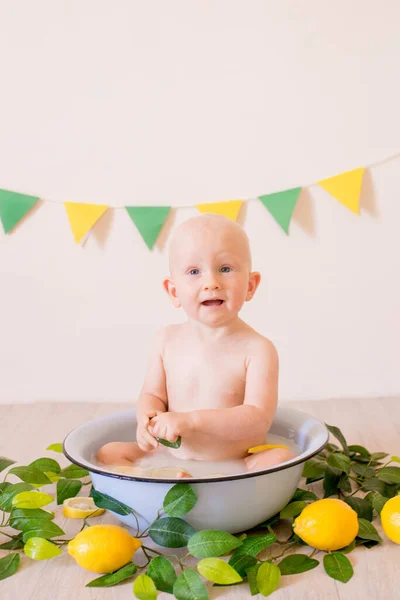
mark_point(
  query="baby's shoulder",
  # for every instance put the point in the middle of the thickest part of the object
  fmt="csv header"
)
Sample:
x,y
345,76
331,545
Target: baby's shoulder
x,y
166,334
259,346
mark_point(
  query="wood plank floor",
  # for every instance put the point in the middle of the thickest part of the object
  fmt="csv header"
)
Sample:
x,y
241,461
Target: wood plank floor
x,y
26,430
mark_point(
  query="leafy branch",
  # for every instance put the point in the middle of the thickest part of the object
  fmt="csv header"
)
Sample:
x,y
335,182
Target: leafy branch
x,y
338,468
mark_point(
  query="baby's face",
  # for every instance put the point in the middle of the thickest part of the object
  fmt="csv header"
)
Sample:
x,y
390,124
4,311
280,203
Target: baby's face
x,y
210,274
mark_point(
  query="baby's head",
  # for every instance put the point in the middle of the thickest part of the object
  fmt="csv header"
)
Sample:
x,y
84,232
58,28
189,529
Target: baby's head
x,y
210,258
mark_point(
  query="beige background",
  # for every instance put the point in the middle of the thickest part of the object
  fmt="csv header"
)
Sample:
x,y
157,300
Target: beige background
x,y
182,102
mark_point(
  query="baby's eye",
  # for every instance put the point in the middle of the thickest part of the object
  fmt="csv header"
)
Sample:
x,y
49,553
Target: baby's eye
x,y
229,269
193,271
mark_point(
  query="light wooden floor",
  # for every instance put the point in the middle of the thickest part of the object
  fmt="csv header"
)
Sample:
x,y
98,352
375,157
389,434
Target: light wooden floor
x,y
26,430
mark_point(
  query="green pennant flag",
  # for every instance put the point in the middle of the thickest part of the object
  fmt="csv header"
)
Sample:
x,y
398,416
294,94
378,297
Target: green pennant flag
x,y
13,207
281,206
149,221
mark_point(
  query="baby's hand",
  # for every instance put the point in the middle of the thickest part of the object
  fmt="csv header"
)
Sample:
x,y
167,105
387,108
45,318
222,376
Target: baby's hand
x,y
170,425
146,441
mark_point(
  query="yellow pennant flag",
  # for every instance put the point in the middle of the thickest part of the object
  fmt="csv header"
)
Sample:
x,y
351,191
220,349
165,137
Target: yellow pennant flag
x,y
228,209
82,217
346,188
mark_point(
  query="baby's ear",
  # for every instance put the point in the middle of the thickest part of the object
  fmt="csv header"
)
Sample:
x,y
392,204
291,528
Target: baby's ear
x,y
170,288
254,282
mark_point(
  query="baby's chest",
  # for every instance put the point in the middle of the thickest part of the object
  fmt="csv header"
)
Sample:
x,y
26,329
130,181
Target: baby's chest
x,y
209,380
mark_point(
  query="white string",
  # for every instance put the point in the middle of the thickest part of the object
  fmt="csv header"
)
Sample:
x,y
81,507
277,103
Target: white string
x,y
370,166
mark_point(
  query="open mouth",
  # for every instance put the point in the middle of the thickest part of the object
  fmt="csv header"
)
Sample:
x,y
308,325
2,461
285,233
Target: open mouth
x,y
215,302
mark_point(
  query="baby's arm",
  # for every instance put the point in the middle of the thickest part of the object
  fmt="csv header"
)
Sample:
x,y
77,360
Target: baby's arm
x,y
153,395
254,417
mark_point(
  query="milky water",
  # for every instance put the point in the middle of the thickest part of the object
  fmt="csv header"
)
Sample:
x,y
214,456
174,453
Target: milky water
x,y
162,464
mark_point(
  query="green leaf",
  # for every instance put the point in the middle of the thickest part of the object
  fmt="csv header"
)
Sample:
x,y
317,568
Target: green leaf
x,y
331,482
395,459
362,470
339,461
344,483
111,579
74,472
4,485
313,468
359,450
171,532
361,506
176,444
389,474
331,447
374,485
67,488
31,499
367,543
304,495
5,462
46,464
251,573
367,531
189,586
377,500
218,571
297,563
179,500
268,578
162,573
30,475
43,529
14,544
211,542
338,566
9,565
339,436
55,447
293,509
349,548
8,494
40,549
378,456
242,562
391,489
144,588
253,545
21,518
104,501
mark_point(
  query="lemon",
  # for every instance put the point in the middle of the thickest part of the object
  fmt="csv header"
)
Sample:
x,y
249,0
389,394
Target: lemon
x,y
263,447
81,507
390,517
327,524
103,548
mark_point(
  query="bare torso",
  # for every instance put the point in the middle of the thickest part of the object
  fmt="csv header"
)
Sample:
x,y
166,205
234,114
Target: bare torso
x,y
210,375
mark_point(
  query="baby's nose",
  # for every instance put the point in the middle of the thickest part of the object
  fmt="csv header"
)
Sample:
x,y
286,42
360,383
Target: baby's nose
x,y
211,285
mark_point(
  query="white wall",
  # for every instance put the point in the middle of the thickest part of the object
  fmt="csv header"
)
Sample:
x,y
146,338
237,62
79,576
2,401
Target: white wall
x,y
181,102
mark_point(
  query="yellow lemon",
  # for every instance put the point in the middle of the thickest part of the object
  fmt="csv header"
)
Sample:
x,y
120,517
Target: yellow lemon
x,y
81,507
327,524
103,548
390,517
263,447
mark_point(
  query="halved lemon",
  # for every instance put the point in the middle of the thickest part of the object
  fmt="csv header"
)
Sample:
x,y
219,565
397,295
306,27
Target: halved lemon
x,y
81,507
265,447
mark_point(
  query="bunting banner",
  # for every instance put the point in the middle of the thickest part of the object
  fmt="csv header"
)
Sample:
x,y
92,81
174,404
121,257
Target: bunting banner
x,y
149,220
13,207
82,217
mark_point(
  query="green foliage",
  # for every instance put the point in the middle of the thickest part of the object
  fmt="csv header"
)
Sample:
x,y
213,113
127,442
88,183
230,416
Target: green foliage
x,y
338,566
345,471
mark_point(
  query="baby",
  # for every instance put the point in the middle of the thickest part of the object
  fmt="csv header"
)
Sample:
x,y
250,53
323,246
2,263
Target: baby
x,y
212,380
